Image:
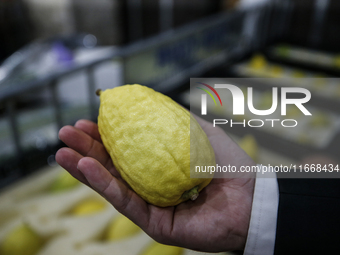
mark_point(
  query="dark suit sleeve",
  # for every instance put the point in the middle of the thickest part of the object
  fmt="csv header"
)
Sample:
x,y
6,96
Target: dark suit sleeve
x,y
308,217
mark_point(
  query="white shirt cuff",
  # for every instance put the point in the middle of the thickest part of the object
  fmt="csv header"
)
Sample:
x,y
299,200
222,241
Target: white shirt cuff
x,y
262,227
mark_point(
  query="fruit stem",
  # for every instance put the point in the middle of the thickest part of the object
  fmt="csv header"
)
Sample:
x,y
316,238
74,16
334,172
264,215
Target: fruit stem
x,y
191,194
98,92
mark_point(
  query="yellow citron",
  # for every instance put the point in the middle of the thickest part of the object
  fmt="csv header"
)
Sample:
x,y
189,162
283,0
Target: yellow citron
x,y
249,145
121,227
88,207
63,182
147,135
276,71
157,249
320,119
21,240
293,111
298,74
336,62
258,62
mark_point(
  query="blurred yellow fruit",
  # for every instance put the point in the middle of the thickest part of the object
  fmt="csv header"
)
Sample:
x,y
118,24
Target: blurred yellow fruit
x,y
320,119
161,249
147,135
64,182
249,145
276,71
22,240
298,74
121,227
293,111
258,62
337,61
87,207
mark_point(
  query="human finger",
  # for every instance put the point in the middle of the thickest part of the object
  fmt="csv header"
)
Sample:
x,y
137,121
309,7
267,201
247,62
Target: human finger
x,y
68,159
208,127
89,128
115,191
85,145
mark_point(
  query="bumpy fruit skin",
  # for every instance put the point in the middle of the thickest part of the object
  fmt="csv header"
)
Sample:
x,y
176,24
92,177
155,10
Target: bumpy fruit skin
x,y
147,135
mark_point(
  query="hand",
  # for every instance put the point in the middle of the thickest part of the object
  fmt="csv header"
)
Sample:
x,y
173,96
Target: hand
x,y
216,221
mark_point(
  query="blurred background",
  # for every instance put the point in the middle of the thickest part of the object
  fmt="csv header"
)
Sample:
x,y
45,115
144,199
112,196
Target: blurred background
x,y
54,55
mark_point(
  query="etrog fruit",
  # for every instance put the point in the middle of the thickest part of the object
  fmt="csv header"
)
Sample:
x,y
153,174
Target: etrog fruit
x,y
121,227
21,240
147,135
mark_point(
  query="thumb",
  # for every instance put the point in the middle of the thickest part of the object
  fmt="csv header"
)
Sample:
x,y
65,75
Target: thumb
x,y
114,191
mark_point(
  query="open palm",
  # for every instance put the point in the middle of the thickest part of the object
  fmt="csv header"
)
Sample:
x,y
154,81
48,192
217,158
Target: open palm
x,y
216,221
